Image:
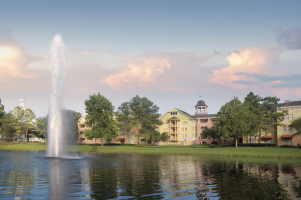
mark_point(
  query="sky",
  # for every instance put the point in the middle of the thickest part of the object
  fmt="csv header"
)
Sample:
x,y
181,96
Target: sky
x,y
171,52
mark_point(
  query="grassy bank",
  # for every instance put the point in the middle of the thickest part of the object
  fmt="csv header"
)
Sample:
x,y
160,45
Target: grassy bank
x,y
259,152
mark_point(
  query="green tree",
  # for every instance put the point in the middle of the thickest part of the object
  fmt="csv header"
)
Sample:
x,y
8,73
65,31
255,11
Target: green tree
x,y
252,101
234,120
70,127
145,118
295,125
18,113
210,132
2,113
29,122
164,137
125,120
42,127
100,117
8,129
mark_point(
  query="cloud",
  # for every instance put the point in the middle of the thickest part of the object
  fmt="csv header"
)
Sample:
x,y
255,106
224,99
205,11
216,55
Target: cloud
x,y
13,58
290,38
166,72
244,82
138,74
242,64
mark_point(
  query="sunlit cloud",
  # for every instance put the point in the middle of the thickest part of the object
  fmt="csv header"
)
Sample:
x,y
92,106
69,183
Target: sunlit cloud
x,y
138,74
249,60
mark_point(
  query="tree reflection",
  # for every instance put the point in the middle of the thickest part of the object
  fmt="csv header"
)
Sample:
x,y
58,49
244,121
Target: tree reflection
x,y
124,175
241,181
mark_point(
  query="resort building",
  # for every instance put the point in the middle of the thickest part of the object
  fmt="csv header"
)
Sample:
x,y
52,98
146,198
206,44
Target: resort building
x,y
186,129
284,135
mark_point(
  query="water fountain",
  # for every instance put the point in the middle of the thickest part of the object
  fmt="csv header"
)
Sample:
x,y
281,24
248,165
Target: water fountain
x,y
56,148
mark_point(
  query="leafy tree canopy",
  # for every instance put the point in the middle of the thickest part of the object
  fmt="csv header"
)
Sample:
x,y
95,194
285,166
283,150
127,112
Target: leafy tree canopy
x,y
100,117
296,126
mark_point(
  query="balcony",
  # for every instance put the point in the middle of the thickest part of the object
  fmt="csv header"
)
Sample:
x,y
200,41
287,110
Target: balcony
x,y
174,125
82,129
174,132
173,139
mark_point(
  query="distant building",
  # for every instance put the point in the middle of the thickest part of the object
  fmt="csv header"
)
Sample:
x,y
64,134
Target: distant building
x,y
284,135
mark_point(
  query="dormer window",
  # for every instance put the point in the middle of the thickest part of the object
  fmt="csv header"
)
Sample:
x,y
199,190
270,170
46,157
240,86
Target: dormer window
x,y
173,113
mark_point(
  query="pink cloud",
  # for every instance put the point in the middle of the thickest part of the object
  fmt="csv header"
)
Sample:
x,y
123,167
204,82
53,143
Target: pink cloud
x,y
287,92
179,72
140,74
248,60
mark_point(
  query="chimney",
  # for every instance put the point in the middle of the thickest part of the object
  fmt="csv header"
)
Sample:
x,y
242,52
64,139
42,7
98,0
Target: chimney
x,y
286,101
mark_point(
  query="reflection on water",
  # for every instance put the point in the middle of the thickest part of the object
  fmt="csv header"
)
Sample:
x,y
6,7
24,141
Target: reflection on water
x,y
28,175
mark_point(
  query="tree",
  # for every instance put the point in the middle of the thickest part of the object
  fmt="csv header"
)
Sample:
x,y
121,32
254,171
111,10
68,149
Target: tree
x,y
42,126
29,122
210,132
234,119
2,113
100,117
8,129
70,127
18,113
296,126
252,101
125,119
164,137
145,118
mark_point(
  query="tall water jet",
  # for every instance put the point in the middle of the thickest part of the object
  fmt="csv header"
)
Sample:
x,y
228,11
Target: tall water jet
x,y
56,148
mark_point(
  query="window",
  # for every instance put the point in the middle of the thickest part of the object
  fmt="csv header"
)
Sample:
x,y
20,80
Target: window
x,y
173,113
291,116
185,128
290,129
192,129
195,128
286,117
193,122
292,108
163,129
184,122
196,135
284,128
185,135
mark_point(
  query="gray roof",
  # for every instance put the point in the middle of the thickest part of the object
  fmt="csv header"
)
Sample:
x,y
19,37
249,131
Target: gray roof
x,y
173,118
204,116
291,103
184,112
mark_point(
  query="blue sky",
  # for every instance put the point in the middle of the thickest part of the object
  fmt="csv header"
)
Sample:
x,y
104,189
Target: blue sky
x,y
168,51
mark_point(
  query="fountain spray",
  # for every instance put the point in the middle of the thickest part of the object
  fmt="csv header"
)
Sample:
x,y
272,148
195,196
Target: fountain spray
x,y
56,148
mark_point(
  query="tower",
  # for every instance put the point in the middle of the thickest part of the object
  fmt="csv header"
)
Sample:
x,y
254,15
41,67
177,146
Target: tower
x,y
201,108
22,103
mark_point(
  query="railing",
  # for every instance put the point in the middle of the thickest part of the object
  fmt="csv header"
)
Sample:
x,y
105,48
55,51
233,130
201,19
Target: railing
x,y
82,129
174,125
174,132
173,139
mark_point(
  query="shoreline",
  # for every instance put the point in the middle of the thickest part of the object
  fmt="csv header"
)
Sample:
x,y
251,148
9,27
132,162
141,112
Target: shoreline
x,y
243,152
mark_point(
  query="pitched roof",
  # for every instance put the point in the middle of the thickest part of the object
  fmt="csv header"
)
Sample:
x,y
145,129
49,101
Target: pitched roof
x,y
173,118
291,103
185,113
203,116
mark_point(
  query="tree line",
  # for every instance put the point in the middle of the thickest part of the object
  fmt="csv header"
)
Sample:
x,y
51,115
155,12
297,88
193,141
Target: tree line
x,y
245,119
23,121
137,117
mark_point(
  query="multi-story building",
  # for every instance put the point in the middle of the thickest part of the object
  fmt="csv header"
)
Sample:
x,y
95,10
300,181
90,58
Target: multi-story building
x,y
186,129
284,135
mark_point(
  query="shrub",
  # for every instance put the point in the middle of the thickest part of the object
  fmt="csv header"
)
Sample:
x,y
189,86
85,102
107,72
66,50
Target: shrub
x,y
43,143
142,145
290,146
255,145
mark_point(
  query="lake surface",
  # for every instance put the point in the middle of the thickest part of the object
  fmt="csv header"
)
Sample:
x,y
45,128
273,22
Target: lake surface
x,y
28,175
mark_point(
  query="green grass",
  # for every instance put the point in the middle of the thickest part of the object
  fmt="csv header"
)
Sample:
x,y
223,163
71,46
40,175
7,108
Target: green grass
x,y
259,152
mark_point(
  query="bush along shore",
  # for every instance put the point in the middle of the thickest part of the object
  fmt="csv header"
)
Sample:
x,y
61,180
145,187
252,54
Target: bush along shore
x,y
201,150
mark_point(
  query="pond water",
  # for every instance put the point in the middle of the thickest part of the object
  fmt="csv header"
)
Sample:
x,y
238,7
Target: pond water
x,y
28,175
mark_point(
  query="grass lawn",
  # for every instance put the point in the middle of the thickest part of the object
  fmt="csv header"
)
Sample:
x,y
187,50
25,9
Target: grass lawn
x,y
261,152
